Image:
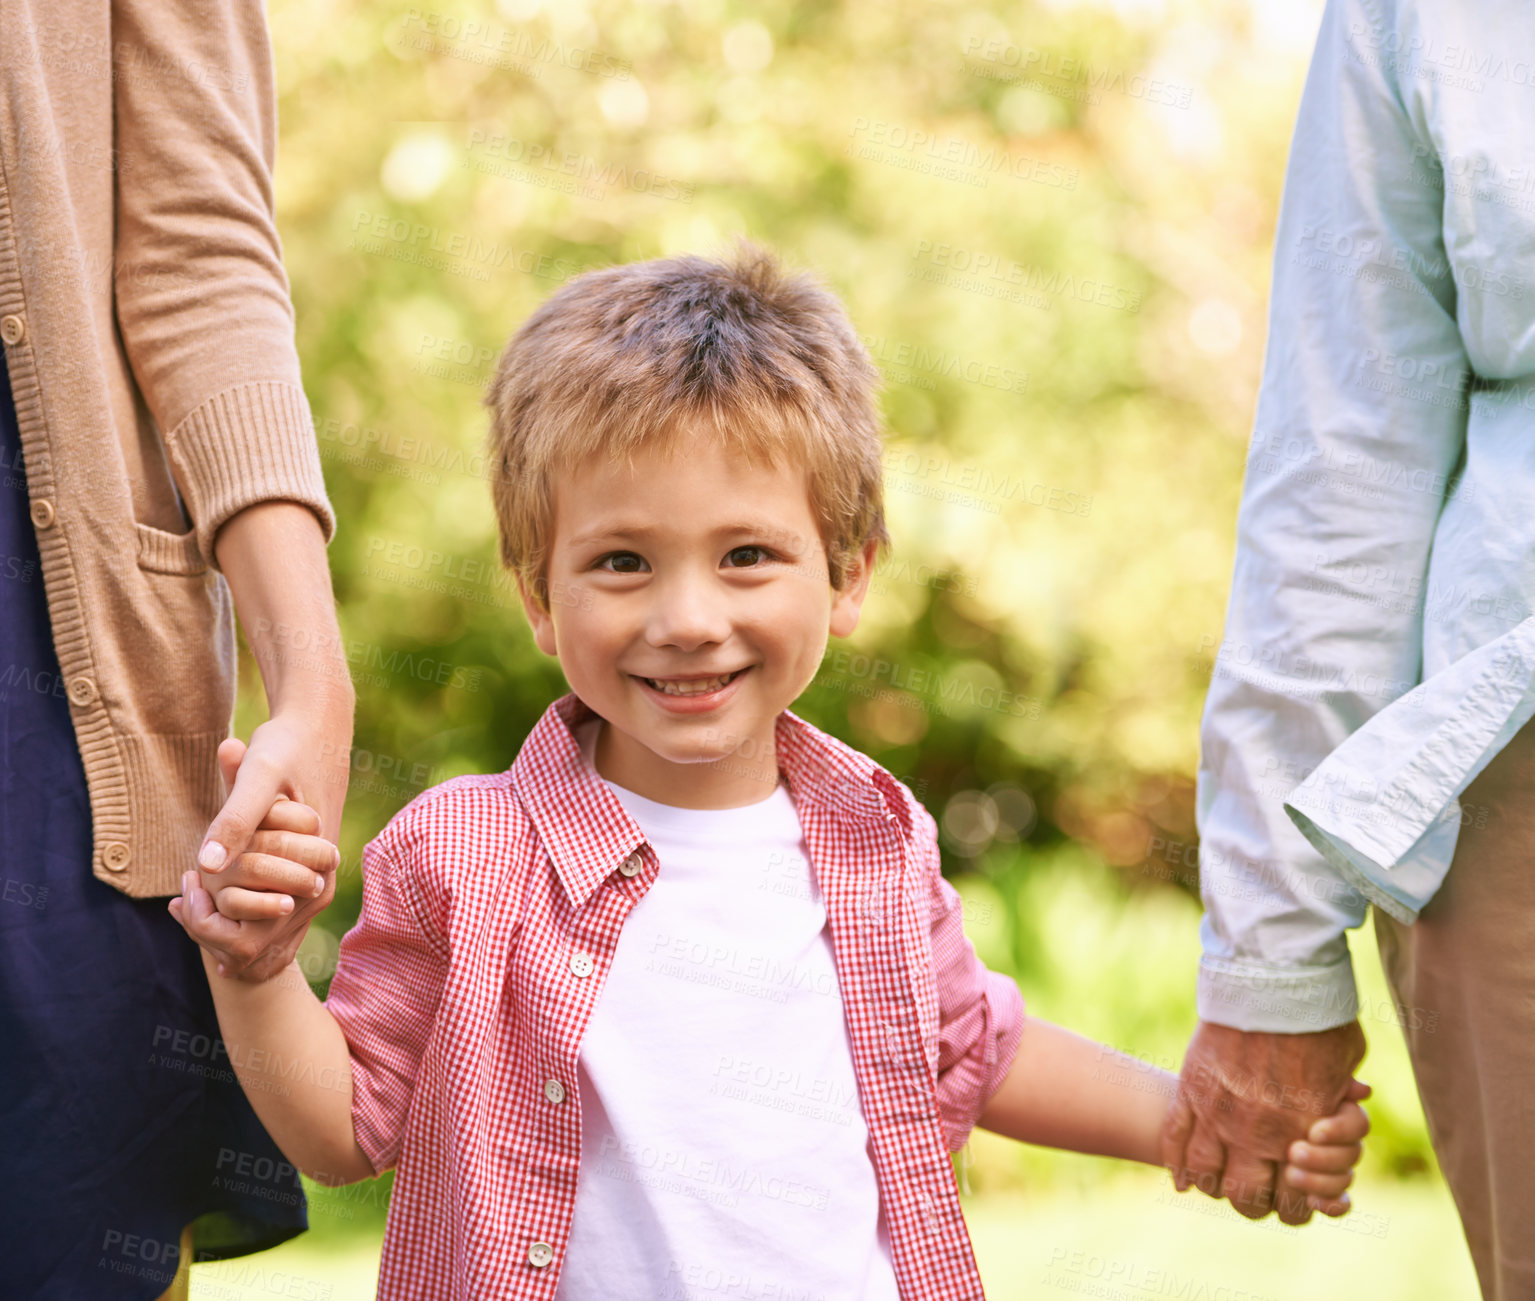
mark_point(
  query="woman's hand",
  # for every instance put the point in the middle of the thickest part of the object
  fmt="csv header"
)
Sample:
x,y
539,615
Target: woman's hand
x,y
286,853
266,897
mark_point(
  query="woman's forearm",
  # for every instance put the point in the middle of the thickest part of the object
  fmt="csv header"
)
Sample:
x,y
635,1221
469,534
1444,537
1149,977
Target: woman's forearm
x,y
273,554
1068,1092
293,1063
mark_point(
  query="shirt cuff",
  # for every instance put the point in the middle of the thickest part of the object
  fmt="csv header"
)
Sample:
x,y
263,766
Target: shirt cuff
x,y
1399,889
969,1085
246,445
1276,1000
1007,1000
1383,807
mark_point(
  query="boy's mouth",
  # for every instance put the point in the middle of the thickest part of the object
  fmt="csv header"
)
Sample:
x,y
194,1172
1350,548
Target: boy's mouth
x,y
691,686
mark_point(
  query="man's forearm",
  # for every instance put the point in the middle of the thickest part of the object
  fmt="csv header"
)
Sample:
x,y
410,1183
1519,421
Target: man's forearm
x,y
1068,1092
293,1063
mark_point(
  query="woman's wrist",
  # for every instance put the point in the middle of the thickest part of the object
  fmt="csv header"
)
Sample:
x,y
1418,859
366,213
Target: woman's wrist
x,y
303,666
305,681
323,705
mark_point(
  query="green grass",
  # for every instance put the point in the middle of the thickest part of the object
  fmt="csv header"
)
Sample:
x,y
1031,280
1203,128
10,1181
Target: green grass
x,y
1135,1238
1128,1236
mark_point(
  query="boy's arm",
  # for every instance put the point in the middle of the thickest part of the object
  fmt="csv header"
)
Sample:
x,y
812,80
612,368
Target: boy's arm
x,y
286,1049
1038,1083
1068,1092
292,1061
333,1082
1018,1076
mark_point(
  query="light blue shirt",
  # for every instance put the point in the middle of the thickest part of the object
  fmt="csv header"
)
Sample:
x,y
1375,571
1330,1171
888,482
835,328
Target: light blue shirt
x,y
1379,647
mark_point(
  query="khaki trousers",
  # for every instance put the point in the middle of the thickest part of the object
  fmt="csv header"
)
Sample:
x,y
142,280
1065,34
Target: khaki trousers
x,y
1463,977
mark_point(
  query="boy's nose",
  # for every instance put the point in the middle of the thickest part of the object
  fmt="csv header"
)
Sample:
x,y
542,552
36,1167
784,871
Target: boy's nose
x,y
689,612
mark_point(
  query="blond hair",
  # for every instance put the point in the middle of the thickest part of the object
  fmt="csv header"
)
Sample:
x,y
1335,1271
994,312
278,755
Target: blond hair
x,y
641,355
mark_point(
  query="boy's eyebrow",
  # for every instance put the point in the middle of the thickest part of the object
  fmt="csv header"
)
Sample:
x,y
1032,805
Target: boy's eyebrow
x,y
623,529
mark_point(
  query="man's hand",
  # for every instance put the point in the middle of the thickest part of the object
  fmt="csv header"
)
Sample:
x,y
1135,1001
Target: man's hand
x,y
1244,1098
283,878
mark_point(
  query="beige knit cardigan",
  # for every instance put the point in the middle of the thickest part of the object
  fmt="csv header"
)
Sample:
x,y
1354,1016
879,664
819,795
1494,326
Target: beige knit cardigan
x,y
149,338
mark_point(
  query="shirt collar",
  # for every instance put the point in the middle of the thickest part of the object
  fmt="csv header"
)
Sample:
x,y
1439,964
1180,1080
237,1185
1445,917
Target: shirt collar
x,y
587,832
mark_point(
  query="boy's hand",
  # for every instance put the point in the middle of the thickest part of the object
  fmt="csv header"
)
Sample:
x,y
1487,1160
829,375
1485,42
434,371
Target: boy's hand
x,y
1322,1164
285,864
286,852
266,898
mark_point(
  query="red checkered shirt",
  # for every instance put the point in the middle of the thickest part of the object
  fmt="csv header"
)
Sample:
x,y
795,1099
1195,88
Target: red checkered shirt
x,y
491,909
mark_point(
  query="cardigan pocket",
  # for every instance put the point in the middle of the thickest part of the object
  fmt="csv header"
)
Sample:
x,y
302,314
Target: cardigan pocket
x,y
163,552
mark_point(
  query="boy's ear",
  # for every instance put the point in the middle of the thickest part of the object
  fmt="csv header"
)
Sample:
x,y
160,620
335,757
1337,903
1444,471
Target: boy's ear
x,y
539,618
849,599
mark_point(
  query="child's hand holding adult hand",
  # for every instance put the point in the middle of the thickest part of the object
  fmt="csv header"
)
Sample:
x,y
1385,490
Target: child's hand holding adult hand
x,y
1322,1164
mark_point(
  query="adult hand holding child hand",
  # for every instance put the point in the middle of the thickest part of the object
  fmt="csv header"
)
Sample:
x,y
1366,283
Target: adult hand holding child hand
x,y
262,903
1249,1102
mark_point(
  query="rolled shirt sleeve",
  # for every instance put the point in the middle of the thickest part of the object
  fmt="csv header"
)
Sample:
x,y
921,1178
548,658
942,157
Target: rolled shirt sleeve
x,y
1343,471
980,1011
1383,809
388,984
201,297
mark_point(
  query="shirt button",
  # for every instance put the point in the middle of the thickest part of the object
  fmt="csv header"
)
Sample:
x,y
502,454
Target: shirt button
x,y
631,865
554,1091
115,855
12,329
82,690
540,1254
581,964
42,512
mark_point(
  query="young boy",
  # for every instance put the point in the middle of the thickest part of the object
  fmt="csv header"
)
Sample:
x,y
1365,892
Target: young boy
x,y
680,1004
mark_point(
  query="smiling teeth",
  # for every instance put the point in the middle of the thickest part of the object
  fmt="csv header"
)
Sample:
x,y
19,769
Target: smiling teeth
x,y
697,688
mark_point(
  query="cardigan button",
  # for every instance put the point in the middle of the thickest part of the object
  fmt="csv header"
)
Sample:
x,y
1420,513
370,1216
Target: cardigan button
x,y
82,690
540,1254
42,513
12,329
115,855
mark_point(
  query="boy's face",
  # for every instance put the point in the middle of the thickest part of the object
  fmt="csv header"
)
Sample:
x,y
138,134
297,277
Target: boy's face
x,y
681,570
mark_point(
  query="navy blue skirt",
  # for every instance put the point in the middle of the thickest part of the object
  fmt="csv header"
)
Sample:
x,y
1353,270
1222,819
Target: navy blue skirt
x,y
121,1120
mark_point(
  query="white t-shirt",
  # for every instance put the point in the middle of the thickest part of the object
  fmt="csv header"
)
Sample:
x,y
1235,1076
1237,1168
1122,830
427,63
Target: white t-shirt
x,y
724,1152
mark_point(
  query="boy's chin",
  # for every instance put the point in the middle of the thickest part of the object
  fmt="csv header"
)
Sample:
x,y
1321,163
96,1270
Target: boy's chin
x,y
700,739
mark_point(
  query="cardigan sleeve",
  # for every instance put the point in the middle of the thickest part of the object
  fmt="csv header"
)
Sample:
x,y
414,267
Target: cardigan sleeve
x,y
201,296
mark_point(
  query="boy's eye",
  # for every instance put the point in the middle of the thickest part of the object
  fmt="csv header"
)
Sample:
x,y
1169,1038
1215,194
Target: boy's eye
x,y
624,562
751,552
628,562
